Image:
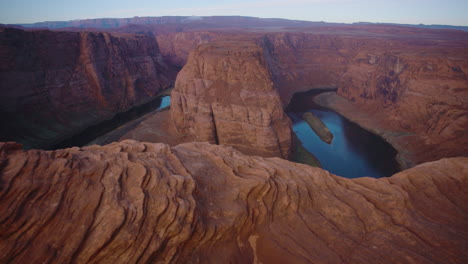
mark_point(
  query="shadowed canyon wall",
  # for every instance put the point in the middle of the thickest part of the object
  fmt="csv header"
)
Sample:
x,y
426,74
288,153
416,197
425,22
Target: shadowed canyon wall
x,y
225,95
55,84
131,202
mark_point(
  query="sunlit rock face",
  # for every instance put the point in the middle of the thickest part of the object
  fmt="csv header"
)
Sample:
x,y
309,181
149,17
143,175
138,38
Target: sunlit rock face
x,y
55,84
225,95
132,202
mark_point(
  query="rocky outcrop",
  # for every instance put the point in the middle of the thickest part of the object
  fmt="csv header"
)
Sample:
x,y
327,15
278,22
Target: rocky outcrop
x,y
55,84
225,94
133,202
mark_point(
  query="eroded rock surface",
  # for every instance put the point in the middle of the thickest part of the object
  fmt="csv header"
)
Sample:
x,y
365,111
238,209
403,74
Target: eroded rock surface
x,y
225,94
133,202
55,84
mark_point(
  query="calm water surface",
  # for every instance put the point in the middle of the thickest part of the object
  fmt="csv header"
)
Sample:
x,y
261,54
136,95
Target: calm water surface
x,y
354,152
165,102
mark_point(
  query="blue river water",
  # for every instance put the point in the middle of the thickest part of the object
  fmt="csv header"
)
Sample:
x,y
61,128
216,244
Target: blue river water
x,y
165,102
354,152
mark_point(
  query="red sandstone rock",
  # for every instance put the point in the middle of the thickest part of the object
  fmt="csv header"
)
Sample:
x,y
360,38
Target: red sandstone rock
x,y
225,95
54,84
421,94
411,81
133,202
411,84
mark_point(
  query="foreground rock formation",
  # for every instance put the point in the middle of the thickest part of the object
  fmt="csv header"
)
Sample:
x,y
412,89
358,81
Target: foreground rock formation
x,y
55,84
133,202
225,94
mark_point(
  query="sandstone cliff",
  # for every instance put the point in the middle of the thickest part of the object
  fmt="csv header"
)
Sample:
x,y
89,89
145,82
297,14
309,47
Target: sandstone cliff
x,y
133,202
420,95
225,94
175,47
410,82
411,86
54,84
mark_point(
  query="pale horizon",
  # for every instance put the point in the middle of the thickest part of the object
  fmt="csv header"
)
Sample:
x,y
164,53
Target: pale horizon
x,y
429,12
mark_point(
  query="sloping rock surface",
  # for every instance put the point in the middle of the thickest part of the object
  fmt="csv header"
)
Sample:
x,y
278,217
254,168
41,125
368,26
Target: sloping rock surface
x,y
133,202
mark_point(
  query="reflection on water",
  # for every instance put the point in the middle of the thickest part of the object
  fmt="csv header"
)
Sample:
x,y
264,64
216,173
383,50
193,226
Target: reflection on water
x,y
354,151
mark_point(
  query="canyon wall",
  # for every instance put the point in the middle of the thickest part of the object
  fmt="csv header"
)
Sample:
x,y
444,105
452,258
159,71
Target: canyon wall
x,y
412,88
225,94
132,202
175,47
55,84
421,95
411,83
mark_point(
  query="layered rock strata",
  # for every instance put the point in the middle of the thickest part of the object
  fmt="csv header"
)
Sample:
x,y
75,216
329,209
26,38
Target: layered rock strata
x,y
225,94
421,97
411,82
55,84
133,202
407,81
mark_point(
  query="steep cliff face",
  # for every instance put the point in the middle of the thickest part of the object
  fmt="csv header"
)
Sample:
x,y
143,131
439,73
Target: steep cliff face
x,y
306,61
54,84
414,92
176,47
133,202
422,95
225,95
412,86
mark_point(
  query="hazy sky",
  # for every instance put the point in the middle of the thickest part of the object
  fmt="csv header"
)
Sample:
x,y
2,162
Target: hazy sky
x,y
453,12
